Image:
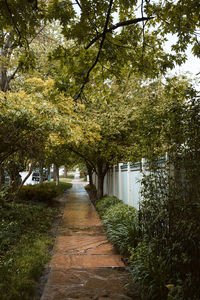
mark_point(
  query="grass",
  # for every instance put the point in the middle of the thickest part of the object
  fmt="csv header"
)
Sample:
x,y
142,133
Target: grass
x,y
65,179
25,241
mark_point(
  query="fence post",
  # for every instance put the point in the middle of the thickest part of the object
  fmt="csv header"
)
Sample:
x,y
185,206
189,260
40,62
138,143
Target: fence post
x,y
114,182
120,181
143,165
129,182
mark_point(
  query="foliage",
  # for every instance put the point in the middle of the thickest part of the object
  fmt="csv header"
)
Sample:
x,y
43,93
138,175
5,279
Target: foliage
x,y
42,192
3,193
121,223
71,176
169,212
24,244
28,121
92,191
150,271
180,18
96,42
103,204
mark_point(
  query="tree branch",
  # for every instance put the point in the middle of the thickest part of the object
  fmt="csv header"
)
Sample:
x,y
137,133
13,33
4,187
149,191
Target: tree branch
x,y
99,52
13,74
23,181
90,162
77,2
12,19
117,25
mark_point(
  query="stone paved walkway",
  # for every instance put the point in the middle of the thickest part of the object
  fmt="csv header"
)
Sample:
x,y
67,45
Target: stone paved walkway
x,y
84,264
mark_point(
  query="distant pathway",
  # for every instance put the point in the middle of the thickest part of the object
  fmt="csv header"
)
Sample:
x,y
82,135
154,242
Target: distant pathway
x,y
84,264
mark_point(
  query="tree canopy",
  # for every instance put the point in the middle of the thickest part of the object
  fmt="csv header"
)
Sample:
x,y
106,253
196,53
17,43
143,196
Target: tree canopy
x,y
82,76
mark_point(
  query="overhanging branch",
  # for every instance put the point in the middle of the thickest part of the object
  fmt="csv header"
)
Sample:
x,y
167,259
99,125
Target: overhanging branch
x,y
117,25
99,52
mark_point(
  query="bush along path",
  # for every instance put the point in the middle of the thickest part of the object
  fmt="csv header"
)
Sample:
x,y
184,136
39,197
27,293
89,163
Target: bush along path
x,y
84,264
25,239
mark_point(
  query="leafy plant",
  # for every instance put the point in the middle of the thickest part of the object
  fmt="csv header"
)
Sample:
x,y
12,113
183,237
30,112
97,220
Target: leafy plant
x,y
42,192
169,212
92,192
121,222
24,244
103,204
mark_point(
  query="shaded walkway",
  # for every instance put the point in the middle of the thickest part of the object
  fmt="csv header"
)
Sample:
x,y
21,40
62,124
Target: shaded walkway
x,y
84,264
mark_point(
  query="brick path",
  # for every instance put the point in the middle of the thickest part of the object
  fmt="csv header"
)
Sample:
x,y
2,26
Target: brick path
x,y
84,264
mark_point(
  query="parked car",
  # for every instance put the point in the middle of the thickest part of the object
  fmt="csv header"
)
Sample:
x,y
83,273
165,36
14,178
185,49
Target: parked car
x,y
36,175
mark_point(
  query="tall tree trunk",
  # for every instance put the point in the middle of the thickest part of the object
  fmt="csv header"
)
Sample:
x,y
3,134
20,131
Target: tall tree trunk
x,y
41,172
90,171
100,186
101,172
54,172
49,173
57,175
5,52
65,172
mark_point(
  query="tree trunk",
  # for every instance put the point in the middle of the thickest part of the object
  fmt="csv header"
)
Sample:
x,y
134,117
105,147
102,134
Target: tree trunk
x,y
49,173
102,169
57,175
90,178
41,172
54,172
65,172
90,171
100,186
5,52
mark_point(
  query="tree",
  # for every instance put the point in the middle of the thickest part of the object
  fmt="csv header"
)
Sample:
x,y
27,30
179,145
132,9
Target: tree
x,y
26,122
107,130
96,41
99,43
20,23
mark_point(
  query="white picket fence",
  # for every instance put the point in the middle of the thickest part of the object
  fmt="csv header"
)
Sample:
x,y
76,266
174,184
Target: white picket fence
x,y
124,181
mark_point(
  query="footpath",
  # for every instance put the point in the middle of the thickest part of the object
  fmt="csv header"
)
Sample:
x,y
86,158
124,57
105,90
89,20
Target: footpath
x,y
84,264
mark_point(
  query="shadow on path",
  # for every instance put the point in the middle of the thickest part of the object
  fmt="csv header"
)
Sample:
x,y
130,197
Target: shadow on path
x,y
84,264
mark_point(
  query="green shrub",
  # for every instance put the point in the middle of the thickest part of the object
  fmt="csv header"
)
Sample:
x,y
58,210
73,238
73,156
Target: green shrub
x,y
42,192
90,187
103,204
121,222
71,176
37,194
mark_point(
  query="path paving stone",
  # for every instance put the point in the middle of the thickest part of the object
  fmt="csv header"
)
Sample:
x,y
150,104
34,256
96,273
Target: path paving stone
x,y
84,264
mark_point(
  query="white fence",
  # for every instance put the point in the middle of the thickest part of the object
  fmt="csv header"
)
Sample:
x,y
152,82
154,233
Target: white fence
x,y
124,181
